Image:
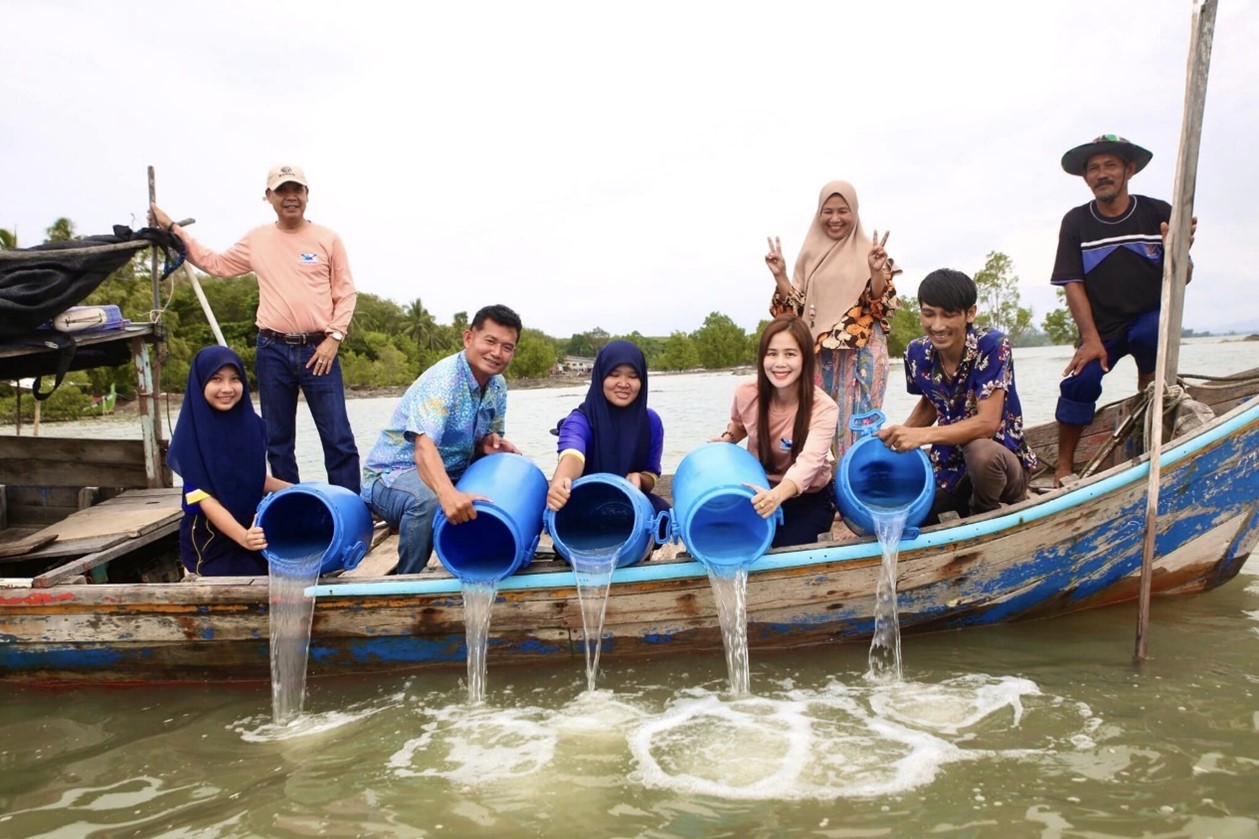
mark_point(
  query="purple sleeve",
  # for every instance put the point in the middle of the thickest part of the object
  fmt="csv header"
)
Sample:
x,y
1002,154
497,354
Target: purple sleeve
x,y
656,451
574,433
994,369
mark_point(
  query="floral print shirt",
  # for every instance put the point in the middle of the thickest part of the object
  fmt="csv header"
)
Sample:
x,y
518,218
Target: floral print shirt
x,y
852,331
987,365
446,404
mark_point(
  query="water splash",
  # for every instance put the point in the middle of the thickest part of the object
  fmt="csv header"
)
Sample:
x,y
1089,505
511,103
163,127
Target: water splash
x,y
289,616
478,600
885,644
593,571
730,593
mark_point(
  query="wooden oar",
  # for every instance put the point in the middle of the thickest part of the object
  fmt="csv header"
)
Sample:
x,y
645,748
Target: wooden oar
x,y
1175,269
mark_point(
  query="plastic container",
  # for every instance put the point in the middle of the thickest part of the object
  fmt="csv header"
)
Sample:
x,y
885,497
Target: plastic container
x,y
315,519
606,514
712,513
504,535
872,478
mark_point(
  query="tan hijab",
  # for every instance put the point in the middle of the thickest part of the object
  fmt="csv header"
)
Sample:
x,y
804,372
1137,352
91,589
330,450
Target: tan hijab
x,y
832,274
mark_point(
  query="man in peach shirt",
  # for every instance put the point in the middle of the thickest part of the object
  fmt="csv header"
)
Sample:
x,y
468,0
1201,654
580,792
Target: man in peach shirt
x,y
306,298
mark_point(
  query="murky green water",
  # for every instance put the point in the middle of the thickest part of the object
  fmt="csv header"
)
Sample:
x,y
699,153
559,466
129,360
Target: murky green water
x,y
1036,729
1042,728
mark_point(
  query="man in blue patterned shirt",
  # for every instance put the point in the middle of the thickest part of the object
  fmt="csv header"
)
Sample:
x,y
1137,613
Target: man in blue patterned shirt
x,y
968,410
452,414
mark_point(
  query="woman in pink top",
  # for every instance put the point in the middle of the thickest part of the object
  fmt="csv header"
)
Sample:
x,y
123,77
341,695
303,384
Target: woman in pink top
x,y
789,423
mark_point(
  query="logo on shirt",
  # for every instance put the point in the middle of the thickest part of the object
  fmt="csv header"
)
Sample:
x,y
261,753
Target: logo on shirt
x,y
309,258
784,444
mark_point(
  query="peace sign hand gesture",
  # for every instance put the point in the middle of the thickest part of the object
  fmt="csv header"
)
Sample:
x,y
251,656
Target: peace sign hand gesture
x,y
774,259
878,256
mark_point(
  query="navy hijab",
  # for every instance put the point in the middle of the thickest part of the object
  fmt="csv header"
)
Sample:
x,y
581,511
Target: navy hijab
x,y
620,437
220,452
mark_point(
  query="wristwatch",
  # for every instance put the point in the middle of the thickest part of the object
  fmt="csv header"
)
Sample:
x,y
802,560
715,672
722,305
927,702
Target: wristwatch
x,y
336,335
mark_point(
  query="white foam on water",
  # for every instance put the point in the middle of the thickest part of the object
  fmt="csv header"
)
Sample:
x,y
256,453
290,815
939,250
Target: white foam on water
x,y
954,705
599,713
261,730
478,745
838,742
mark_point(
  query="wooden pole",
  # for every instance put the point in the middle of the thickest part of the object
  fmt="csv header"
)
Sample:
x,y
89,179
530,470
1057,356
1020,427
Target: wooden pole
x,y
155,377
1175,270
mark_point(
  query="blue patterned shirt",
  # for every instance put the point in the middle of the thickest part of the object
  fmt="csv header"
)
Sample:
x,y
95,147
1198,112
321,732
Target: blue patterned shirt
x,y
445,404
987,365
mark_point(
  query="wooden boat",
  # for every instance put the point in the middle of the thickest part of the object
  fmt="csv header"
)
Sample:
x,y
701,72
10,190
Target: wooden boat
x,y
1060,551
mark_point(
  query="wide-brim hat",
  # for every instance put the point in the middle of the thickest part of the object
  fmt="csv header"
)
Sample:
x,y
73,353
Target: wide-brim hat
x,y
1074,161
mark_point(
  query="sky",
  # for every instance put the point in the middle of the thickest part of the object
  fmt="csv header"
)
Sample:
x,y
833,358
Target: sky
x,y
621,165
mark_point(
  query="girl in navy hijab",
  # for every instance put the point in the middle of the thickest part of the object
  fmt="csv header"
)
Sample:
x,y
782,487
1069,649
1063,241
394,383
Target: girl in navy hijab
x,y
219,448
613,430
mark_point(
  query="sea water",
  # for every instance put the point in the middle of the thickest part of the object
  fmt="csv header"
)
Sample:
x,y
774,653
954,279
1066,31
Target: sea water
x,y
593,571
478,600
885,644
730,587
289,614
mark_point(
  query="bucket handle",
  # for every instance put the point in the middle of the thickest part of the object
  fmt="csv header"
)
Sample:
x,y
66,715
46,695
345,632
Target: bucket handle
x,y
868,424
662,528
353,555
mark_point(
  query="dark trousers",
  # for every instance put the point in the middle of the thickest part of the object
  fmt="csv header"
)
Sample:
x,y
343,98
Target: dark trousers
x,y
282,372
1078,394
804,517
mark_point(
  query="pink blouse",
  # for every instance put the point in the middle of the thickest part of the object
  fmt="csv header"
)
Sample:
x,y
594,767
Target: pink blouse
x,y
812,471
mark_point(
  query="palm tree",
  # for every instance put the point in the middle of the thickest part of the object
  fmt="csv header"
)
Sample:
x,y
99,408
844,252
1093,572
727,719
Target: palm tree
x,y
422,324
8,240
62,230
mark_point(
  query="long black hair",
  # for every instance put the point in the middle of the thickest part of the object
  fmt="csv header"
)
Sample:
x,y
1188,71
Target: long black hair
x,y
804,386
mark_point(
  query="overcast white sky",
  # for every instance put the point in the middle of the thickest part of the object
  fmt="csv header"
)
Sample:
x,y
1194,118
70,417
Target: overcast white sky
x,y
620,166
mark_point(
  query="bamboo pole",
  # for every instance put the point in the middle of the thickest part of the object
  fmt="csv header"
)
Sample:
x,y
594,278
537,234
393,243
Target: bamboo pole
x,y
1175,270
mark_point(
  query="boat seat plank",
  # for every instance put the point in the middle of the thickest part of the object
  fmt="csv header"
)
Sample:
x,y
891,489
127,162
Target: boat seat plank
x,y
73,571
73,547
125,516
18,542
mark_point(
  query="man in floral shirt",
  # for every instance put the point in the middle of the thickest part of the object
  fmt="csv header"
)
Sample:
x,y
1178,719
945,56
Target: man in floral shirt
x,y
968,410
452,414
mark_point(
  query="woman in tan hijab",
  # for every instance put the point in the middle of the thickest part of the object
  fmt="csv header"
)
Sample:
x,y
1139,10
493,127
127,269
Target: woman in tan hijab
x,y
843,289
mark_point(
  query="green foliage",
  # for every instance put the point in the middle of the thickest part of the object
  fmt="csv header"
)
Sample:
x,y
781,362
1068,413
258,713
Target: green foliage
x,y
536,355
679,353
905,327
70,401
721,342
579,345
8,239
998,288
62,230
1059,326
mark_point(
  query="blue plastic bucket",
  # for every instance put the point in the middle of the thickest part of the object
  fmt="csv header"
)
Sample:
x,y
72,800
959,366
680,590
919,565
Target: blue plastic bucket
x,y
504,534
712,513
606,514
311,519
872,478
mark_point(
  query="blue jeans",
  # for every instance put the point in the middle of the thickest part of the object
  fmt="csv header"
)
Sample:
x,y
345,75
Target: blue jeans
x,y
282,371
408,506
1078,394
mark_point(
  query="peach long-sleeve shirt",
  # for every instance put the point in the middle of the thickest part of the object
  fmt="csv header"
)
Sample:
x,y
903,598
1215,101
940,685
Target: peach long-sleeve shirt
x,y
304,280
812,469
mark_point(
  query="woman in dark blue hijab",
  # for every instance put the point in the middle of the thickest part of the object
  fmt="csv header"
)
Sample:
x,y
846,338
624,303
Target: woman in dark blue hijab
x,y
613,431
219,449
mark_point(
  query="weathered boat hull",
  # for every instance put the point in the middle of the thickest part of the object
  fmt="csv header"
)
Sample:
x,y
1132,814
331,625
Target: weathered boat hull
x,y
1066,551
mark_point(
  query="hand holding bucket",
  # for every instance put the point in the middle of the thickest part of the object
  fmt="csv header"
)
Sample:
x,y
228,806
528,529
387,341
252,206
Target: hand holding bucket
x,y
874,478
